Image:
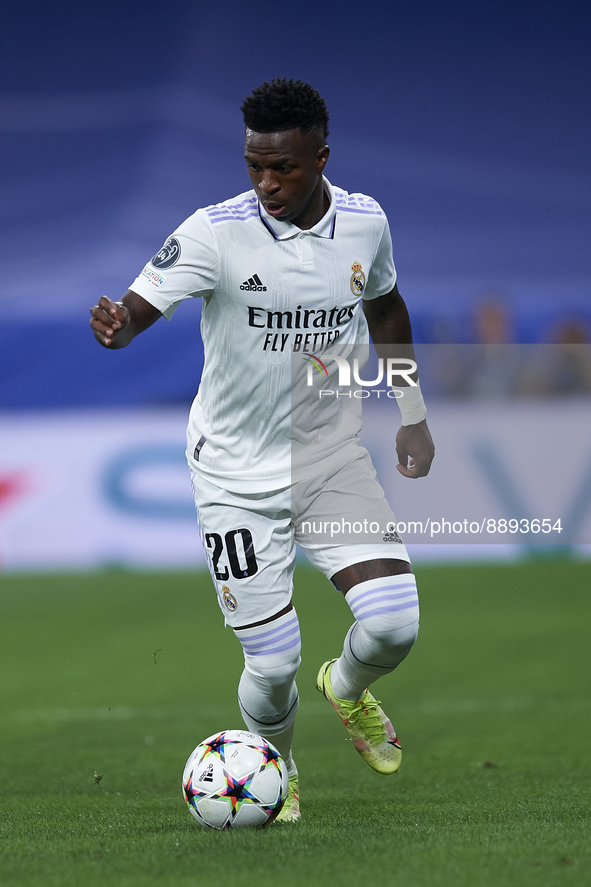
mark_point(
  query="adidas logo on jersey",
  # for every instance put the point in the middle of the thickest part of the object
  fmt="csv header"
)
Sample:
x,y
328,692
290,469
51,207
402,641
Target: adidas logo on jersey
x,y
254,284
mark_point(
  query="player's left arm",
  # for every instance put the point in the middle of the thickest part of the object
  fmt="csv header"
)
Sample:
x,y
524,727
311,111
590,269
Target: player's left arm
x,y
389,324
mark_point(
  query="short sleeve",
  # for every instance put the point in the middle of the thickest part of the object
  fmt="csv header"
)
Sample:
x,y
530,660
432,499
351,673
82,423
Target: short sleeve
x,y
186,266
382,276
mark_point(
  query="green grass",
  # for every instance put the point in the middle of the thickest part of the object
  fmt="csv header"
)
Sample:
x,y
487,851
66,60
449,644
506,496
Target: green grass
x,y
492,707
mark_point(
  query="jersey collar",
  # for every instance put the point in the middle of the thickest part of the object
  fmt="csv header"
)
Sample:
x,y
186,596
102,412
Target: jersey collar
x,y
285,230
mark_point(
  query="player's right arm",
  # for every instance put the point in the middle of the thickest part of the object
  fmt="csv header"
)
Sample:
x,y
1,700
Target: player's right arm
x,y
115,324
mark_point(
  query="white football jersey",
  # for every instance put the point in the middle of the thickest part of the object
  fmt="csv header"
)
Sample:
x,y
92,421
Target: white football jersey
x,y
274,297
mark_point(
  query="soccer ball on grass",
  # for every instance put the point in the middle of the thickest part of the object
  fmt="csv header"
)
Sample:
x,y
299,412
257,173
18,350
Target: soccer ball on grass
x,y
235,779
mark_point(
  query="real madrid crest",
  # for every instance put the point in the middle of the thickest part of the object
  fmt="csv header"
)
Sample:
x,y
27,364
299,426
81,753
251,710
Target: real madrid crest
x,y
230,601
357,279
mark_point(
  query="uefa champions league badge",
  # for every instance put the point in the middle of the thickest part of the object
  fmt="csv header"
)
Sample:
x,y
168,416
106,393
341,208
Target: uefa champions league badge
x,y
357,279
168,255
230,601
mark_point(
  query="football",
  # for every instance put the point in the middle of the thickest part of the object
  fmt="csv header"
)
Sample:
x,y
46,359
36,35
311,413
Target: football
x,y
235,779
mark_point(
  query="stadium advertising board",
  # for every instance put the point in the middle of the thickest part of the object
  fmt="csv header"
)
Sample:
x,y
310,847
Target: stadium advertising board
x,y
86,490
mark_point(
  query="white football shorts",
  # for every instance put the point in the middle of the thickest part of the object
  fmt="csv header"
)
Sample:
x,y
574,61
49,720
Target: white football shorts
x,y
250,539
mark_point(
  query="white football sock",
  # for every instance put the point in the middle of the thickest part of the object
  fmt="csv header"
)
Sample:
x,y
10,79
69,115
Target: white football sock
x,y
267,694
387,614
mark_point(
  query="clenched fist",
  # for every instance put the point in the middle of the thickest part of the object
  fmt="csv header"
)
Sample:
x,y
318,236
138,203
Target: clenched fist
x,y
108,320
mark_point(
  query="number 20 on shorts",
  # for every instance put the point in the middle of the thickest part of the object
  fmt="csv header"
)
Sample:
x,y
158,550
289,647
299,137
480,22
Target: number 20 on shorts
x,y
241,566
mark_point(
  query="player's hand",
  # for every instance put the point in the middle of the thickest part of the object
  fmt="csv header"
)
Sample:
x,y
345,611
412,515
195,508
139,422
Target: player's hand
x,y
415,449
108,319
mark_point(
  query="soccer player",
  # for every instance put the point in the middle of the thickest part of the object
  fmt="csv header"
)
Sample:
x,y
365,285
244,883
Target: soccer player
x,y
292,273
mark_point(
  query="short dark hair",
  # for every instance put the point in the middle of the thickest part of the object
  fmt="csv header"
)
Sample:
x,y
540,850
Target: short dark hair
x,y
283,104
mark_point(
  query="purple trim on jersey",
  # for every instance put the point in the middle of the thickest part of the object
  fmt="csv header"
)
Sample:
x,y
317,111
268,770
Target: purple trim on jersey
x,y
363,212
237,211
266,224
362,206
346,199
229,218
248,201
224,211
237,214
228,204
228,212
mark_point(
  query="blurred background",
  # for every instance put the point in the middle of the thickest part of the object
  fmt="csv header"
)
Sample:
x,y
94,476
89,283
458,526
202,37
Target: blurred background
x,y
469,123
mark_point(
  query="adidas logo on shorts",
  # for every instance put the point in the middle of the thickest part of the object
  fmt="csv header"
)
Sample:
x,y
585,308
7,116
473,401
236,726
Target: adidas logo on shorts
x,y
392,537
254,284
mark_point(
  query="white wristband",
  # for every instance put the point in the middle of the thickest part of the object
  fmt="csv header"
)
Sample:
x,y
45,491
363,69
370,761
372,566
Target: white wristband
x,y
411,404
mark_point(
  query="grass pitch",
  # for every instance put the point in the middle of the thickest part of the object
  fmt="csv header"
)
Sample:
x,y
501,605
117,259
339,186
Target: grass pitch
x,y
119,675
